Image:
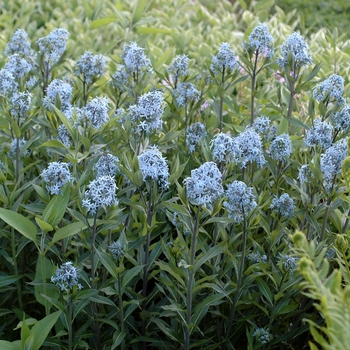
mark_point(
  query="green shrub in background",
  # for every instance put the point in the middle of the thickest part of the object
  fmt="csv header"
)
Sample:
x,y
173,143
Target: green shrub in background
x,y
156,162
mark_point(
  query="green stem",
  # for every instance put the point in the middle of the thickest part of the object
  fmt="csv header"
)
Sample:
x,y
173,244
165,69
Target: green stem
x,y
191,280
70,326
121,311
222,99
15,266
93,239
253,88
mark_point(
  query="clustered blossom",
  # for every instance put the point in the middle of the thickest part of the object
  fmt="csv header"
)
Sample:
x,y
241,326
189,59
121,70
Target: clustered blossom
x,y
117,250
263,336
260,41
330,90
53,46
95,112
330,253
147,113
16,147
56,175
305,173
90,66
20,104
120,78
135,59
289,263
283,205
241,200
67,277
342,119
256,258
281,147
223,145
19,44
107,165
261,125
58,89
249,148
63,135
224,60
18,66
331,162
321,133
185,92
205,184
8,84
195,133
154,167
101,192
179,66
295,47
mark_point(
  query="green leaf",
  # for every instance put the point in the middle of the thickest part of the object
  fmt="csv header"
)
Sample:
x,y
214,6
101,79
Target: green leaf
x,y
67,231
53,143
211,253
153,30
6,345
43,225
265,290
129,275
7,280
118,339
97,23
55,210
25,333
41,330
138,10
20,223
108,263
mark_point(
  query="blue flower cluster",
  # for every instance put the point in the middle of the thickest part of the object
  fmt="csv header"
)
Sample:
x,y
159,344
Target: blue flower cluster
x,y
135,59
20,104
95,113
53,46
256,258
56,175
179,66
58,89
184,92
90,67
281,147
117,250
241,200
18,66
67,277
195,133
295,47
107,165
154,167
101,192
223,147
305,173
224,60
63,135
261,125
263,336
332,160
205,184
283,205
342,119
321,133
147,113
120,78
330,90
8,83
289,264
260,41
19,44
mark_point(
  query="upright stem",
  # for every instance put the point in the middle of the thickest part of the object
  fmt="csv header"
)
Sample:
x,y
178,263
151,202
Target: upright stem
x,y
253,88
15,267
17,159
222,99
121,311
191,280
70,326
325,217
240,274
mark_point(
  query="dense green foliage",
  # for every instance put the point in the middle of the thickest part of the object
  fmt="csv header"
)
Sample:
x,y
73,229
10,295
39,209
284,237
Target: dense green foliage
x,y
163,252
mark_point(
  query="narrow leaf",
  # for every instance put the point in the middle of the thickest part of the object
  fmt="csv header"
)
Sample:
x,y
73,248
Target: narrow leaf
x,y
67,231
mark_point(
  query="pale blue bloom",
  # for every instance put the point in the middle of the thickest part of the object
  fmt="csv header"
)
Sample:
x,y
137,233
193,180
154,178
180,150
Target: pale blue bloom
x,y
295,47
67,277
14,148
31,81
135,59
263,336
332,160
205,184
95,112
154,167
107,165
117,250
224,60
55,176
8,84
195,133
18,66
330,90
185,92
283,205
241,200
261,125
101,192
120,78
90,67
53,46
147,113
289,263
256,258
223,146
321,133
19,44
305,173
281,147
20,104
260,41
58,89
179,66
63,135
342,119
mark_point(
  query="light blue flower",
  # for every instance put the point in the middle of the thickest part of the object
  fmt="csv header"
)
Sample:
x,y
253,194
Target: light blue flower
x,y
305,174
19,44
289,264
18,66
179,66
342,119
67,277
135,59
283,205
321,133
224,60
95,113
185,92
55,176
20,104
8,84
224,147
117,250
90,67
330,90
63,135
241,201
107,165
281,147
263,336
58,89
195,133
